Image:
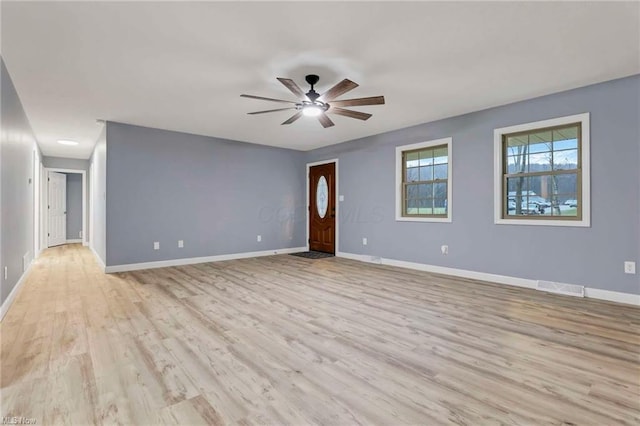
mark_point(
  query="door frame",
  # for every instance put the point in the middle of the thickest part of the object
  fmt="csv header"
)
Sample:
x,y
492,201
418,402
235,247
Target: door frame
x,y
46,203
37,211
337,202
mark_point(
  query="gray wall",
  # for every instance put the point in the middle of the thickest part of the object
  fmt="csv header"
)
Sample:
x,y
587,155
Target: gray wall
x,y
216,195
74,164
98,194
74,205
17,147
587,256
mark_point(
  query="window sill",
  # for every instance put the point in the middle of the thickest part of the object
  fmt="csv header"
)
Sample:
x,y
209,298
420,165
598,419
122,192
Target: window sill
x,y
569,223
423,219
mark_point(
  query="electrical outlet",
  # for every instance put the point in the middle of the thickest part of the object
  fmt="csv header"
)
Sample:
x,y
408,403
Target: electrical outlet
x,y
80,234
629,267
444,249
341,198
180,244
259,238
364,241
156,245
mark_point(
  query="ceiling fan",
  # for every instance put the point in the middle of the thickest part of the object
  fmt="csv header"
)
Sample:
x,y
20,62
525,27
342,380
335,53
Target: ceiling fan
x,y
312,104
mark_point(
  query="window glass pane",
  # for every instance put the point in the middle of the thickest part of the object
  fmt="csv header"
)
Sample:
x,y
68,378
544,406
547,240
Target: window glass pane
x,y
426,173
514,164
440,155
426,206
565,144
565,160
566,184
518,185
426,190
411,207
439,206
540,141
411,191
511,205
569,205
540,162
411,159
426,157
440,171
412,174
440,190
517,142
519,161
566,133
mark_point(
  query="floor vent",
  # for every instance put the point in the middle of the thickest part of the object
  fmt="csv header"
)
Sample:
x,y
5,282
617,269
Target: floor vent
x,y
560,288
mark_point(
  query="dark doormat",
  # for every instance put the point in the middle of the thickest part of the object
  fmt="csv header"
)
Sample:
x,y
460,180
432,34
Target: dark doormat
x,y
312,254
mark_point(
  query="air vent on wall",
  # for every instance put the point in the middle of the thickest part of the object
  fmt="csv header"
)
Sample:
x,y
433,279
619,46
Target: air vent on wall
x,y
560,288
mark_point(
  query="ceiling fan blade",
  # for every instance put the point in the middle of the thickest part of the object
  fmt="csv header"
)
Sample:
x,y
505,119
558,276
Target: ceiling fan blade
x,y
373,100
343,87
270,110
267,99
293,118
291,85
325,121
348,113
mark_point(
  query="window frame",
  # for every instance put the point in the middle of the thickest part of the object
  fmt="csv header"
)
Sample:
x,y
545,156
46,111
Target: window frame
x,y
583,218
400,167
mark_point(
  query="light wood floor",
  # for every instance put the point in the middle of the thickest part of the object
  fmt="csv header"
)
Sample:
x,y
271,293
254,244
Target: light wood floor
x,y
284,340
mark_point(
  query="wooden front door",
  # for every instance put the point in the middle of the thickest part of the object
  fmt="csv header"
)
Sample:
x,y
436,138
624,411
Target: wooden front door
x,y
322,208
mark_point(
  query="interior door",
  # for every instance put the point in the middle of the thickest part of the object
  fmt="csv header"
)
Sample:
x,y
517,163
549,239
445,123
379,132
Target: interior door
x,y
57,208
322,208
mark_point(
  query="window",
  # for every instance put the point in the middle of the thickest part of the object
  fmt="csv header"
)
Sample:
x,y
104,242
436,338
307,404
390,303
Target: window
x,y
423,181
542,172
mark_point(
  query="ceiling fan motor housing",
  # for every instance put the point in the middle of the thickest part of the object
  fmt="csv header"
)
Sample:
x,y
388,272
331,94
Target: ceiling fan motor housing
x,y
312,79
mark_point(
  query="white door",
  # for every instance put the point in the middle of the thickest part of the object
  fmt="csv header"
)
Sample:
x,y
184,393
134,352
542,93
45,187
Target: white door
x,y
57,209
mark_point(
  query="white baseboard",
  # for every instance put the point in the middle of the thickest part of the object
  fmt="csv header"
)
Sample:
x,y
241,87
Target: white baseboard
x,y
193,260
7,303
593,293
100,261
612,296
77,240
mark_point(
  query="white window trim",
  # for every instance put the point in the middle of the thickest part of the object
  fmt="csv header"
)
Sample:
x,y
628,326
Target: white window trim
x,y
420,145
586,170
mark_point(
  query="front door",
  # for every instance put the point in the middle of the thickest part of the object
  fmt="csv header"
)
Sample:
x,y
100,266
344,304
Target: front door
x,y
57,210
322,208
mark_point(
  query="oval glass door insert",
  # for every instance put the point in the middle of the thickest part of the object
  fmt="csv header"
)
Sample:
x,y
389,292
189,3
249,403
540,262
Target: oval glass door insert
x,y
322,197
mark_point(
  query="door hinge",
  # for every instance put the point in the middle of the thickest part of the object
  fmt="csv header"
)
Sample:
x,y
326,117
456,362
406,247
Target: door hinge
x,y
48,179
309,240
48,235
48,207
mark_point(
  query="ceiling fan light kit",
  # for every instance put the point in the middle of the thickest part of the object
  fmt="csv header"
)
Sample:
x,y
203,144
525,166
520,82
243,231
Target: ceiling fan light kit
x,y
313,104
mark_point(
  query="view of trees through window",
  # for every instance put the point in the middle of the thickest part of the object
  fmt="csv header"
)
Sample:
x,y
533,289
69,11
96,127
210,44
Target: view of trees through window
x,y
425,181
542,173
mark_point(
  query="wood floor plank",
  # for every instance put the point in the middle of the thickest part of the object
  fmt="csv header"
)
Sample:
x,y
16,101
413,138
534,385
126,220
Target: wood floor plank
x,y
284,340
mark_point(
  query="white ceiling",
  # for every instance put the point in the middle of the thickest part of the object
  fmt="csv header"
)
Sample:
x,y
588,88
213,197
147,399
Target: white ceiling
x,y
183,65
